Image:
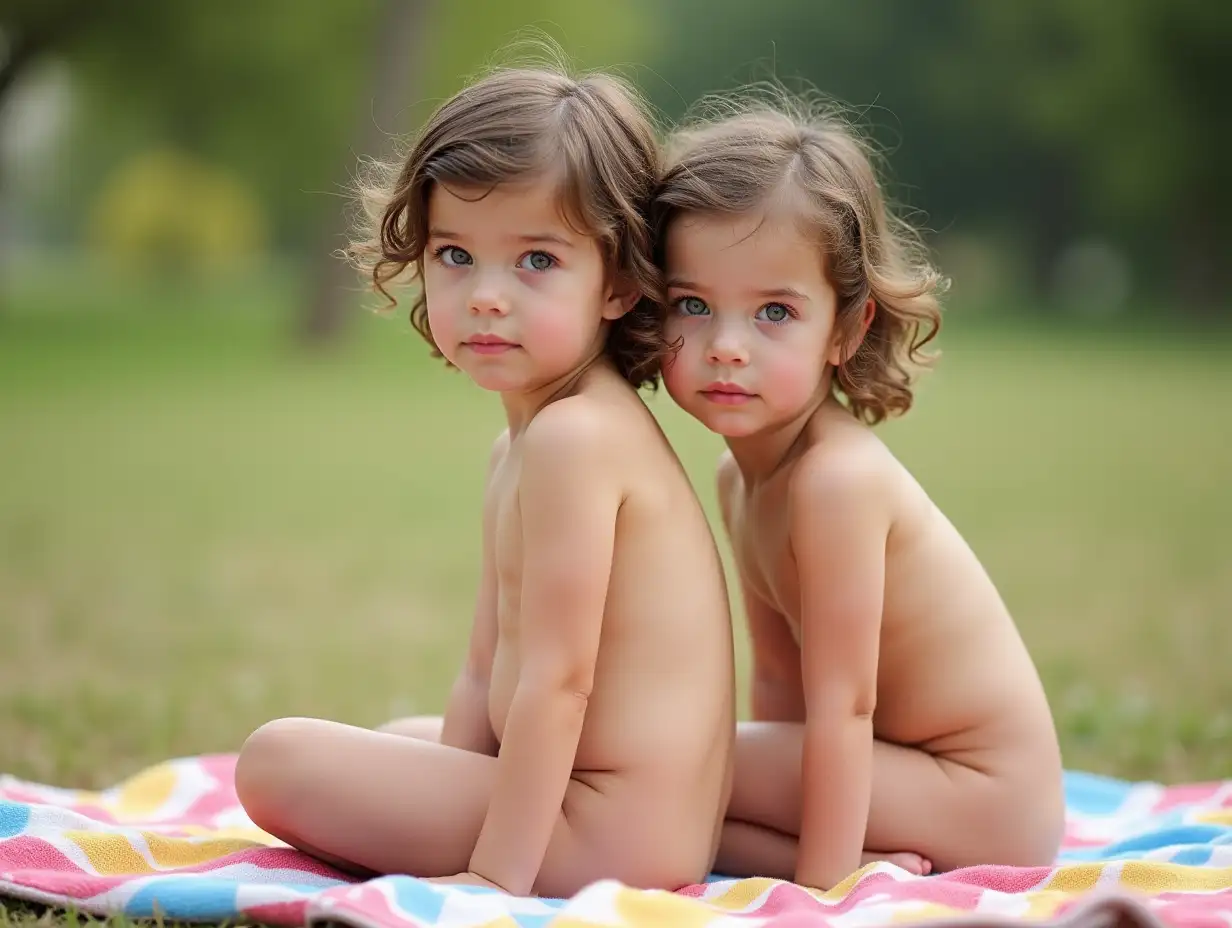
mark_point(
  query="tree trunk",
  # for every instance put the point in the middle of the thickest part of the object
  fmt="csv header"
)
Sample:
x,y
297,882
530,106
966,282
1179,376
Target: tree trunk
x,y
402,29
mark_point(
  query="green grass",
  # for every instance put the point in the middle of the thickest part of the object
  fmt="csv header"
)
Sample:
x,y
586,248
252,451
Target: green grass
x,y
202,529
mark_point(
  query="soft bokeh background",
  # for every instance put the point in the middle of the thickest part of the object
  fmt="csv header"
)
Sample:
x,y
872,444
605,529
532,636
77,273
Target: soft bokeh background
x,y
231,491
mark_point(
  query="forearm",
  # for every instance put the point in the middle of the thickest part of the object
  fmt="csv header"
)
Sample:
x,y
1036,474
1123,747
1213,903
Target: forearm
x,y
837,787
466,724
534,767
775,701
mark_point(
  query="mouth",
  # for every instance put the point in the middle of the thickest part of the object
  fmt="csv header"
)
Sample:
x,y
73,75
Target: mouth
x,y
727,394
489,344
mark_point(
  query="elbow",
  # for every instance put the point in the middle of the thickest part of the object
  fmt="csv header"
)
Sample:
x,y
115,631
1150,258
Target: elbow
x,y
862,708
855,705
564,688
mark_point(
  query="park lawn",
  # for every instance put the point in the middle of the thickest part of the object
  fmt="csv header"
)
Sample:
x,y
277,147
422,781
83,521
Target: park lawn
x,y
202,528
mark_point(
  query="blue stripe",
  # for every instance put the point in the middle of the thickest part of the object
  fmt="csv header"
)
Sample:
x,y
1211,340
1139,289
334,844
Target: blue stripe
x,y
1092,794
14,817
185,898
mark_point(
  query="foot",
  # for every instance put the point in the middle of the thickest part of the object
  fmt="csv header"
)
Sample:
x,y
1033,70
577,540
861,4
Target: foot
x,y
904,860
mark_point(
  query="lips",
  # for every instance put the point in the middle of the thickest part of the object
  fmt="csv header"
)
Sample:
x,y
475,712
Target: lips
x,y
489,344
727,394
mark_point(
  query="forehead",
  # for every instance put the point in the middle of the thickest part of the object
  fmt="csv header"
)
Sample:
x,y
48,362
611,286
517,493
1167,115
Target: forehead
x,y
757,248
512,206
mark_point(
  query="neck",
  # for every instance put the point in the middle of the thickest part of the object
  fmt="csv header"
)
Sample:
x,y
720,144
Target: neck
x,y
763,454
521,406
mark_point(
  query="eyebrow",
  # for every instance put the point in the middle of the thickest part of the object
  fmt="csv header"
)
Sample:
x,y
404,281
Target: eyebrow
x,y
776,292
785,292
532,238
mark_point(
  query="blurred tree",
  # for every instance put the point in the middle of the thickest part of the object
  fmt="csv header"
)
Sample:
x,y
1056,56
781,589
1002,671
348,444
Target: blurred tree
x,y
1058,119
258,89
463,40
30,29
1049,122
1129,104
288,98
165,213
399,45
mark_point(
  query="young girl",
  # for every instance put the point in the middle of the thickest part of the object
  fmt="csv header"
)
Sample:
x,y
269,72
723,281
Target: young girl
x,y
895,708
589,732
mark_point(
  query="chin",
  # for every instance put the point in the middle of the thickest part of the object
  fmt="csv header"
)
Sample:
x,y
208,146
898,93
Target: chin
x,y
727,424
729,429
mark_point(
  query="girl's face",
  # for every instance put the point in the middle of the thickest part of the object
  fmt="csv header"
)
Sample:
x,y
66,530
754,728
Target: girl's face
x,y
516,298
748,296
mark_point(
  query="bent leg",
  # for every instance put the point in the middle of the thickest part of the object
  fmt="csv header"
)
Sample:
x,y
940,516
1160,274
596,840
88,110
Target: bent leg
x,y
755,850
423,727
926,813
960,816
381,802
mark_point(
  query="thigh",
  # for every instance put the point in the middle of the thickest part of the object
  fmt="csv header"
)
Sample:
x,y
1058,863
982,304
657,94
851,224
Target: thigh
x,y
424,727
766,775
379,801
958,816
951,814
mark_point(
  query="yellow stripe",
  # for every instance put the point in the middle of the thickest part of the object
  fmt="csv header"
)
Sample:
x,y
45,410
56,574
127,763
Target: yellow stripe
x,y
646,908
1220,817
1075,878
144,794
742,893
1153,877
177,852
109,855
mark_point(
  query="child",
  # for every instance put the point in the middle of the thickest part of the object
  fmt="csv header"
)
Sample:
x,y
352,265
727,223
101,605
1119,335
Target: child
x,y
590,730
895,709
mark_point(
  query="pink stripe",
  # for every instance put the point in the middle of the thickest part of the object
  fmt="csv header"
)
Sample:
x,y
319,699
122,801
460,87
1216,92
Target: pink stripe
x,y
1189,794
279,913
32,855
71,885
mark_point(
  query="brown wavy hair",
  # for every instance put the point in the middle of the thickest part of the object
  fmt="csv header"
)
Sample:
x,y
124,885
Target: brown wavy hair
x,y
593,132
752,152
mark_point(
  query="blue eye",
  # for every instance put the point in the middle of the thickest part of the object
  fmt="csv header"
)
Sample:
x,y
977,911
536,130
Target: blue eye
x,y
692,306
537,261
453,256
774,312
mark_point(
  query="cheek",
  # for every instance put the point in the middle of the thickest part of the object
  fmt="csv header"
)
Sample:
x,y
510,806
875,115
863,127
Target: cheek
x,y
675,375
682,368
442,322
556,331
789,372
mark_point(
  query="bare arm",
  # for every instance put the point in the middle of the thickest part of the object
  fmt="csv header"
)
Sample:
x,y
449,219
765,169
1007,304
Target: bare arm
x,y
466,724
569,499
776,693
839,524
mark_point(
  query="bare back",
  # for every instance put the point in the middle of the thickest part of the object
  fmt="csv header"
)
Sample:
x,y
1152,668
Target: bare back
x,y
954,678
659,724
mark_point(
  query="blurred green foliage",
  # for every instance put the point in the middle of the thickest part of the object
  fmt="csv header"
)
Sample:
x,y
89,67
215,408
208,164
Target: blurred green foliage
x,y
1071,150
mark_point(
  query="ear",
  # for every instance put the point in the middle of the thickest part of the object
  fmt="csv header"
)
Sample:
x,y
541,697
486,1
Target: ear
x,y
844,348
620,300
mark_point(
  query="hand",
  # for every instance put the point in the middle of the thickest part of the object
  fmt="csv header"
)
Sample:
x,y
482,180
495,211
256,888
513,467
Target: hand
x,y
465,879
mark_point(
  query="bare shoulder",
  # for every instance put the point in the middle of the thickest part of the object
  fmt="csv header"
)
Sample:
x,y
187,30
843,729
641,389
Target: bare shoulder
x,y
574,432
847,470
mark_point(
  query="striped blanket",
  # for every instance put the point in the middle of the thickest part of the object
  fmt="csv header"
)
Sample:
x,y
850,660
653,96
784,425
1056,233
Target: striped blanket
x,y
172,841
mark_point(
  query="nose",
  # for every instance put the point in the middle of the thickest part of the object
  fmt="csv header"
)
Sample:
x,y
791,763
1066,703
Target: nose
x,y
727,347
488,298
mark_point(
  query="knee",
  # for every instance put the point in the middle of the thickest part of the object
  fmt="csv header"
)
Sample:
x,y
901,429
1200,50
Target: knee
x,y
267,768
423,727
